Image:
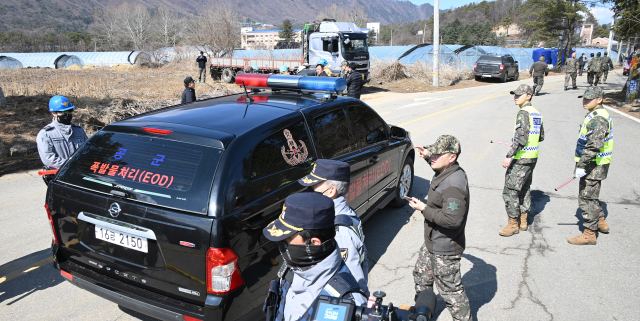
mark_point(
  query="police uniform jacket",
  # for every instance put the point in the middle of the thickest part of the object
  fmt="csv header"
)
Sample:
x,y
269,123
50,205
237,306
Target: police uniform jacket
x,y
188,95
350,240
57,142
445,215
354,84
307,285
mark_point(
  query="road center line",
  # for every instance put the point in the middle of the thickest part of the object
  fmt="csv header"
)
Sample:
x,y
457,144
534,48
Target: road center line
x,y
452,108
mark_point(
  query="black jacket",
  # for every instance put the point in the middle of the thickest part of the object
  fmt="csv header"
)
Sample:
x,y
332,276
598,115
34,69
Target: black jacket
x,y
354,84
323,74
445,215
188,95
582,61
202,62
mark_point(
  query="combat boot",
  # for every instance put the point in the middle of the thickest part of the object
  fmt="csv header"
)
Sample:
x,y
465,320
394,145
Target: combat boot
x,y
565,88
603,227
511,228
523,222
588,237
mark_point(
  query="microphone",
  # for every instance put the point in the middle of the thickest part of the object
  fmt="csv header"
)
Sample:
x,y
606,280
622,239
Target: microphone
x,y
425,305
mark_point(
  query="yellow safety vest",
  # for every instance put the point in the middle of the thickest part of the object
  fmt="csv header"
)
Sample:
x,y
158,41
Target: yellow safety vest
x,y
604,156
535,123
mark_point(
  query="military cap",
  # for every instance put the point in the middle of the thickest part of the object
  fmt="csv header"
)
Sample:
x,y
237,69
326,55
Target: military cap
x,y
522,90
593,93
445,144
327,169
302,211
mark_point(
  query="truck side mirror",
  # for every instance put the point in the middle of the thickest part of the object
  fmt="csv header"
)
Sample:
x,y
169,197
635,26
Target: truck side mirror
x,y
330,47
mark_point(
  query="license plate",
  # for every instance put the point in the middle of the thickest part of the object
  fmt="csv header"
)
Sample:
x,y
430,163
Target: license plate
x,y
486,76
123,239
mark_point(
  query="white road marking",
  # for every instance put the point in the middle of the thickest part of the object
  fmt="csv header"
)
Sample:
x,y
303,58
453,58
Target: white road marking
x,y
423,102
623,114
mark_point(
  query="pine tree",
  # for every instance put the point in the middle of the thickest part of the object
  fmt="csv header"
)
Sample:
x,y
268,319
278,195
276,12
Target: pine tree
x,y
286,35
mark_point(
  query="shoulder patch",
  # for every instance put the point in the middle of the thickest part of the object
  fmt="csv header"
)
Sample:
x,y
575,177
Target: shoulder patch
x,y
453,205
344,253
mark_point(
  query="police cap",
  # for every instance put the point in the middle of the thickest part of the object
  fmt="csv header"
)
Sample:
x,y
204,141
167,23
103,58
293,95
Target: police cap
x,y
327,169
302,211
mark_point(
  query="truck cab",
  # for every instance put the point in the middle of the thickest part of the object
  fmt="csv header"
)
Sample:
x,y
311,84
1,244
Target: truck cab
x,y
336,42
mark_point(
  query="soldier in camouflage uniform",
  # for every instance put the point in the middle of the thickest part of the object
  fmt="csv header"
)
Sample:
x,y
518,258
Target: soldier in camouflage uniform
x,y
593,156
589,75
445,218
520,162
571,71
607,65
595,66
538,70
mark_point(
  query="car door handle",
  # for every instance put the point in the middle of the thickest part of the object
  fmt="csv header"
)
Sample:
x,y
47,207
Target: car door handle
x,y
373,159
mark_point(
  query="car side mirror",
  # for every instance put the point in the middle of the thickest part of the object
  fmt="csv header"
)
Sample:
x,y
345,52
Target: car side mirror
x,y
516,61
330,47
398,133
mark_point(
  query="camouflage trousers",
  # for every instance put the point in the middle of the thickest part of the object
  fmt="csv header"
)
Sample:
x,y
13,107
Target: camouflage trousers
x,y
444,270
570,76
538,81
517,189
596,77
588,200
605,73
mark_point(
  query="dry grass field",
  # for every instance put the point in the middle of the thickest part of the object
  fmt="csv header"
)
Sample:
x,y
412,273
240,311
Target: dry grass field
x,y
101,96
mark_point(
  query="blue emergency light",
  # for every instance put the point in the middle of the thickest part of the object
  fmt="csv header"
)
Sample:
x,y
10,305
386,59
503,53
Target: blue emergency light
x,y
297,83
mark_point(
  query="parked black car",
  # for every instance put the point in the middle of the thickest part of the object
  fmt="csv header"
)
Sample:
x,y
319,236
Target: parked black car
x,y
163,212
501,67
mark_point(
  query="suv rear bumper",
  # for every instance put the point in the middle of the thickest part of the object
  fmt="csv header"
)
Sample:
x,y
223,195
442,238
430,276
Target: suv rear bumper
x,y
488,75
139,299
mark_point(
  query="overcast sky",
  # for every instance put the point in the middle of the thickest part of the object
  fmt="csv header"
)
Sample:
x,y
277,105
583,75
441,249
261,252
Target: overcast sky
x,y
603,15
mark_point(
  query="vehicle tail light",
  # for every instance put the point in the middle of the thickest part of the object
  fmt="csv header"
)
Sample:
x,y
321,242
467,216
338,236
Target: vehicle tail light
x,y
188,318
55,237
223,275
66,274
157,130
475,66
501,67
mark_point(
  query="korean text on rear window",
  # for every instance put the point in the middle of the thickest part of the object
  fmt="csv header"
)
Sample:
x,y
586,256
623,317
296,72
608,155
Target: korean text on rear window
x,y
148,169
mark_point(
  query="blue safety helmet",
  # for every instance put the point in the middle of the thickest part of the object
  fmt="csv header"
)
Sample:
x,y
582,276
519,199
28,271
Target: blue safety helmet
x,y
60,103
255,68
283,68
323,62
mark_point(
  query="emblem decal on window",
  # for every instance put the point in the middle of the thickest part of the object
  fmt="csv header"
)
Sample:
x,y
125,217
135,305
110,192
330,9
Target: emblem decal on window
x,y
295,154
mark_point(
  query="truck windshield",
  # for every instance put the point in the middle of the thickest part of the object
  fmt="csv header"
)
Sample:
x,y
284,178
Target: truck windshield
x,y
354,46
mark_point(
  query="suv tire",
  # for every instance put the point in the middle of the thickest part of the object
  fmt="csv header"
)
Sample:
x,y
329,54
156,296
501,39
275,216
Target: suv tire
x,y
405,184
478,78
517,76
504,77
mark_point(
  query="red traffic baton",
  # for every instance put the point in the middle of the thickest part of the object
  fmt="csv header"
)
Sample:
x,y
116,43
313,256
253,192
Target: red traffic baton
x,y
565,183
492,142
49,172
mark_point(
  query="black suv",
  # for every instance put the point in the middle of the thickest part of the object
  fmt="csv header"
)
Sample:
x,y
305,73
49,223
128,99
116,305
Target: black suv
x,y
163,212
501,67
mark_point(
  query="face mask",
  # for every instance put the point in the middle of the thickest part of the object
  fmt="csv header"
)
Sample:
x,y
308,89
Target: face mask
x,y
64,119
301,256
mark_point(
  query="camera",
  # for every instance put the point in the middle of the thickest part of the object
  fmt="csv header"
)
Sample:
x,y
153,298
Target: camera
x,y
338,309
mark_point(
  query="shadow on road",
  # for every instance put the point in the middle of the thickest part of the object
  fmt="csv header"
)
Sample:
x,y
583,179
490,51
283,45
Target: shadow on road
x,y
580,222
480,284
39,279
539,201
387,222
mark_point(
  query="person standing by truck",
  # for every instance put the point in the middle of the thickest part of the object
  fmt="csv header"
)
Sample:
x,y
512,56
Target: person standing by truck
x,y
354,82
538,70
325,67
320,72
202,65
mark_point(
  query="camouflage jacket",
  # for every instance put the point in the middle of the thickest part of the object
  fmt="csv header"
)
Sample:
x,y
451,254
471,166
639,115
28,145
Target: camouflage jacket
x,y
522,136
594,64
571,65
598,127
606,63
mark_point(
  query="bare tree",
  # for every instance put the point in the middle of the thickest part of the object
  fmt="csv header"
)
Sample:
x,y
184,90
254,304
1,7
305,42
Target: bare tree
x,y
167,26
134,22
106,22
357,15
218,31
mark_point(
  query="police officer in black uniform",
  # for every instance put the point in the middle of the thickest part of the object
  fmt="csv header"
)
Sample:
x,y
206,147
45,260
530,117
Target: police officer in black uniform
x,y
304,233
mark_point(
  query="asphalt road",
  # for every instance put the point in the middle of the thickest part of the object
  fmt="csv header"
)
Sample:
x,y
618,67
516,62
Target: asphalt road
x,y
534,275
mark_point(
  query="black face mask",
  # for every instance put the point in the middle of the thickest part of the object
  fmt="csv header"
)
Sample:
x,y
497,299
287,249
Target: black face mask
x,y
302,256
64,119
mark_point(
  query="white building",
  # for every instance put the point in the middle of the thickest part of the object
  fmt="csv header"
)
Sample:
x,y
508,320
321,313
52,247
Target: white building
x,y
264,39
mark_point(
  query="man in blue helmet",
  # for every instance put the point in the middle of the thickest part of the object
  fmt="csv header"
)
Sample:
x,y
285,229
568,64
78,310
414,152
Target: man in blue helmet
x,y
60,139
331,178
325,67
284,70
304,234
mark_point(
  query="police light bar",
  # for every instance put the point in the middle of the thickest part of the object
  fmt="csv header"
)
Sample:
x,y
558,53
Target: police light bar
x,y
296,83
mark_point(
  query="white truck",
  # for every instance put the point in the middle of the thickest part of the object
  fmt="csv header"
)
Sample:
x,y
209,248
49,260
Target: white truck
x,y
330,40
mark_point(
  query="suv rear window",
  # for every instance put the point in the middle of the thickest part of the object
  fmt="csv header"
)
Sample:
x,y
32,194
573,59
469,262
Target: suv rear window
x,y
147,169
490,59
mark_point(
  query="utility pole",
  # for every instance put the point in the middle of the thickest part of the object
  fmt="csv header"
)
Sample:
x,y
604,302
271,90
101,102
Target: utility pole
x,y
613,21
436,43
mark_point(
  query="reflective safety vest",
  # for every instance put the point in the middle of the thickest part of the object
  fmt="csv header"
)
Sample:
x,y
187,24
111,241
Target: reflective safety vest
x,y
530,150
604,156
